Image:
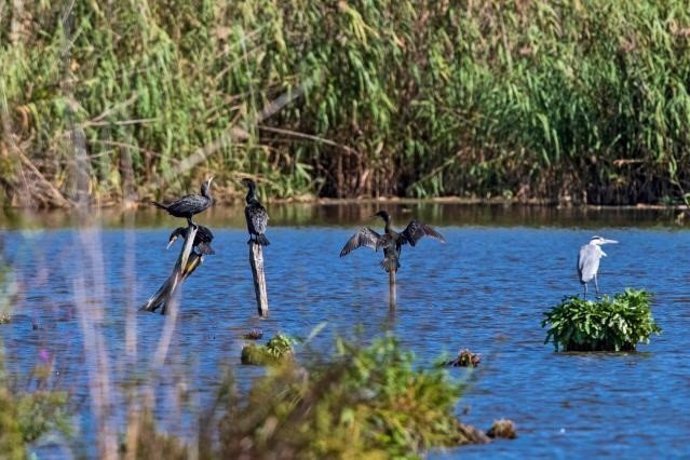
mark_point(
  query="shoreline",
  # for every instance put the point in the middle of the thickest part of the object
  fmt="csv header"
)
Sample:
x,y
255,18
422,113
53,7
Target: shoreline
x,y
235,200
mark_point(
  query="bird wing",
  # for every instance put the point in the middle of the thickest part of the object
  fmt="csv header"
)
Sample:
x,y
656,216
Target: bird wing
x,y
205,249
204,234
416,230
364,237
257,218
261,219
189,204
588,262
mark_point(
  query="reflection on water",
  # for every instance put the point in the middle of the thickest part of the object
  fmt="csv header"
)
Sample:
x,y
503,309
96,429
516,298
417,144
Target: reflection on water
x,y
338,214
485,290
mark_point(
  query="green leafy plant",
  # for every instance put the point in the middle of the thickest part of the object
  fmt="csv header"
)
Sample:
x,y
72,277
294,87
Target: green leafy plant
x,y
364,402
276,350
25,416
615,323
42,411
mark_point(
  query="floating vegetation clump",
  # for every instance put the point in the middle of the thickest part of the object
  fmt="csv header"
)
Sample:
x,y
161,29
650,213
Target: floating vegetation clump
x,y
615,323
364,402
254,334
503,428
465,358
275,351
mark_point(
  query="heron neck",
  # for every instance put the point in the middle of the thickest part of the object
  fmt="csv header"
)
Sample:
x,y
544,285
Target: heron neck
x,y
598,250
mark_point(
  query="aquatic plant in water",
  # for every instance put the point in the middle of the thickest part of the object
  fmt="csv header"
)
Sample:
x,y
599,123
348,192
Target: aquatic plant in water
x,y
615,323
465,358
277,349
363,402
254,334
502,428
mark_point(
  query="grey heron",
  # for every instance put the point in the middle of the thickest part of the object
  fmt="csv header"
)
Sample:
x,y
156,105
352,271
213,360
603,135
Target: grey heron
x,y
588,261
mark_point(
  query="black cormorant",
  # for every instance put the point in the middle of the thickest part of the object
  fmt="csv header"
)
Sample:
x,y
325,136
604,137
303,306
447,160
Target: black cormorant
x,y
256,215
189,205
391,241
202,240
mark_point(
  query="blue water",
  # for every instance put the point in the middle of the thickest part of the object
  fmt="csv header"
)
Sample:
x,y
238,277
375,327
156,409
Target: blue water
x,y
485,290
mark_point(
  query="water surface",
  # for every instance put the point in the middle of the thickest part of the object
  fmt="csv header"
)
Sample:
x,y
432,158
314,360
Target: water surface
x,y
486,290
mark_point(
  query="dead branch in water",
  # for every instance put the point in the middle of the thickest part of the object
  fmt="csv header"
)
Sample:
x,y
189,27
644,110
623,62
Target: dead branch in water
x,y
186,263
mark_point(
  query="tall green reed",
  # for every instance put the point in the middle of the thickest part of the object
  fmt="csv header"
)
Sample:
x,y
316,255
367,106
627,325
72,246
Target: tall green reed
x,y
573,101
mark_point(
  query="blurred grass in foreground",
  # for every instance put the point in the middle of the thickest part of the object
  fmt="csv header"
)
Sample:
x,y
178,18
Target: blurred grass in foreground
x,y
364,401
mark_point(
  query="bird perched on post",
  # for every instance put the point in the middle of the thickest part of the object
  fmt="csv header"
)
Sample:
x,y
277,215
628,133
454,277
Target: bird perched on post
x,y
588,261
189,205
255,214
391,241
202,239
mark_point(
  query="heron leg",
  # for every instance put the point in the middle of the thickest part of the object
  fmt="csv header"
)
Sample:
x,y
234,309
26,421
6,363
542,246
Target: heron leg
x,y
584,285
596,284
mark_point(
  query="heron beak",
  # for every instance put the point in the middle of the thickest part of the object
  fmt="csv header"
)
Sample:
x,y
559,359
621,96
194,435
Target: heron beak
x,y
170,243
609,241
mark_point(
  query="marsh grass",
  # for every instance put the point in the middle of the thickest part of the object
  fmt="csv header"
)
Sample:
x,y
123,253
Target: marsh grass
x,y
568,101
363,402
615,323
32,409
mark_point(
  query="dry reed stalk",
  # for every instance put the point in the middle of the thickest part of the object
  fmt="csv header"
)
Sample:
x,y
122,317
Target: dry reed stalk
x,y
91,315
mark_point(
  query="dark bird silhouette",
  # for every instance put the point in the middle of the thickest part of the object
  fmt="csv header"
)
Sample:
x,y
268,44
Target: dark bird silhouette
x,y
189,205
256,215
202,240
391,241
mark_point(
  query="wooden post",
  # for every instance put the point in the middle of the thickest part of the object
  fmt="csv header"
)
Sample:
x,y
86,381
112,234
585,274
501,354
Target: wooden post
x,y
391,289
186,263
256,260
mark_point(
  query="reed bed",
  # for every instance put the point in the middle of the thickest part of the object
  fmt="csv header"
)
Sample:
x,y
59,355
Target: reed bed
x,y
572,101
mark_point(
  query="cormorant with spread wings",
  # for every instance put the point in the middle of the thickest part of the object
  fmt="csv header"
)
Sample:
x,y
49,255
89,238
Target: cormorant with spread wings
x,y
391,241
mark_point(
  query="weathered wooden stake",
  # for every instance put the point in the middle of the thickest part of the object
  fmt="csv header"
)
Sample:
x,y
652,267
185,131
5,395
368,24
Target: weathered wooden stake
x,y
392,289
186,263
256,260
